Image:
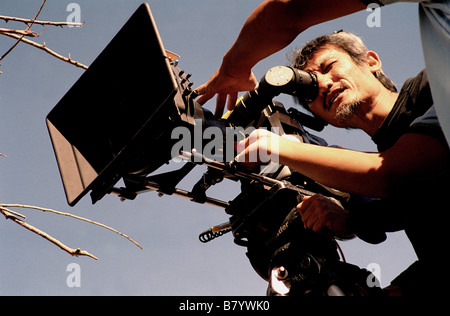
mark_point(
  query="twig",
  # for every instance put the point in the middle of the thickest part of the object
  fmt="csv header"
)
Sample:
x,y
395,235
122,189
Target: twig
x,y
12,212
27,21
20,32
46,49
74,252
70,215
29,27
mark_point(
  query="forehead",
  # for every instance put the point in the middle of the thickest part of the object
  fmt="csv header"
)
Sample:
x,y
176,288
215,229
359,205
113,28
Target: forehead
x,y
323,55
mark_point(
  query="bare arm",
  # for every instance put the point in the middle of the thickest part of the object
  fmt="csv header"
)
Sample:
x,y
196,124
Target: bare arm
x,y
413,159
270,27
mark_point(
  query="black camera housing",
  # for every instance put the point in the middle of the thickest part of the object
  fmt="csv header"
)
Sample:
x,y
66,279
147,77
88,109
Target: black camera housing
x,y
116,119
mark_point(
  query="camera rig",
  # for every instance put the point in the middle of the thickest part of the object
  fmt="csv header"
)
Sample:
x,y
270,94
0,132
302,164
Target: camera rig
x,y
118,124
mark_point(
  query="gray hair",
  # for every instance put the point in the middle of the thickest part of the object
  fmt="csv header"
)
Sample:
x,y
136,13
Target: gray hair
x,y
348,42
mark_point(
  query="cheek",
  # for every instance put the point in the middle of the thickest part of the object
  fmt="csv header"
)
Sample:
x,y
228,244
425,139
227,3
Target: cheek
x,y
327,116
317,108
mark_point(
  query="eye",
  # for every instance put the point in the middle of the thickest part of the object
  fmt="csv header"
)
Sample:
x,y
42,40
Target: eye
x,y
329,66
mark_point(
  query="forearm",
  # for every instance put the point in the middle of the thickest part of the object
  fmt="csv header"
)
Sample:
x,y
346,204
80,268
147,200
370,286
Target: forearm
x,y
276,23
413,159
338,168
265,32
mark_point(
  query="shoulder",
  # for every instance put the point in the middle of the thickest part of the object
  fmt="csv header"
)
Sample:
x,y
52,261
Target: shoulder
x,y
428,124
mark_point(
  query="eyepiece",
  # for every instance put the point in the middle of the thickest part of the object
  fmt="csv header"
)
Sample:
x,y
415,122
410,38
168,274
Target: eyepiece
x,y
279,79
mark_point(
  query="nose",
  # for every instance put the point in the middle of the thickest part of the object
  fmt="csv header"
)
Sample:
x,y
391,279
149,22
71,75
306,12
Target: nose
x,y
325,84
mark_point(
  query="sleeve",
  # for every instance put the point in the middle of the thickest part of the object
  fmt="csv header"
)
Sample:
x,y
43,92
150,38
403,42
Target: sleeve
x,y
370,219
363,221
428,124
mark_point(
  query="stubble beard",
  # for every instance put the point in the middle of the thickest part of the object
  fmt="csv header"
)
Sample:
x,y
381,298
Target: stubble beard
x,y
346,111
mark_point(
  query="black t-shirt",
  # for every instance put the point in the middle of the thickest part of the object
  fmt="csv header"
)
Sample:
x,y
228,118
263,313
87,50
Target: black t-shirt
x,y
414,100
422,210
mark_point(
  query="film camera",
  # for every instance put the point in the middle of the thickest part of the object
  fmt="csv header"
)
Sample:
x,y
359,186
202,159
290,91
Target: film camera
x,y
117,124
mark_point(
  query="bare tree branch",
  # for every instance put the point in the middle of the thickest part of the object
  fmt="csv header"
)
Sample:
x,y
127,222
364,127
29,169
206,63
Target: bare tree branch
x,y
74,252
27,21
12,215
12,212
19,32
72,216
29,27
46,49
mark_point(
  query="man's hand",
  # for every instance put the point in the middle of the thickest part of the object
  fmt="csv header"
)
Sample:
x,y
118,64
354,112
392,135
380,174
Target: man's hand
x,y
322,214
226,86
260,147
272,26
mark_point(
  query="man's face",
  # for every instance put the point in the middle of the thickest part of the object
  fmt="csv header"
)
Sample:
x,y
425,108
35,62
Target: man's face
x,y
343,86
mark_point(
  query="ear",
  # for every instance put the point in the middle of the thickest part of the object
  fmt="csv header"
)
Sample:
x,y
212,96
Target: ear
x,y
373,61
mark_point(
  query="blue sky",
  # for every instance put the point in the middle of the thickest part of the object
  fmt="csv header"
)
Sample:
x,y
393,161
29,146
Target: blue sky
x,y
173,261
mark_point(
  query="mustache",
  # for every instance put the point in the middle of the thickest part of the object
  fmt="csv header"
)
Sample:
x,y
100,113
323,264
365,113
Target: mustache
x,y
341,86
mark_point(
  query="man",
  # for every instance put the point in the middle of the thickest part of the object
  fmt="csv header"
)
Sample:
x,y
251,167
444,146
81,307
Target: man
x,y
408,174
407,137
350,95
276,23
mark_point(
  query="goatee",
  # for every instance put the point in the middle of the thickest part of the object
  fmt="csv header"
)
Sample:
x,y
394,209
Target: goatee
x,y
344,112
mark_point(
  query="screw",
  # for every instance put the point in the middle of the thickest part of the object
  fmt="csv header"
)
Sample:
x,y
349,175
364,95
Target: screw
x,y
281,273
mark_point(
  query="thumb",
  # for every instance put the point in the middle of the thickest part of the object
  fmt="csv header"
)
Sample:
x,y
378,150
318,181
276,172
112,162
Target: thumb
x,y
302,206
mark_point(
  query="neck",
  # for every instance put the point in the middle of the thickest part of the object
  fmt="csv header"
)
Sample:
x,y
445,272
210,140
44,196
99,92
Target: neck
x,y
372,113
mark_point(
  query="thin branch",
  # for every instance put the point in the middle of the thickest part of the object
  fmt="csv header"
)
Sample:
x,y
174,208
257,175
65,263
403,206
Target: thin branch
x,y
27,21
74,252
19,32
46,49
29,27
73,216
12,212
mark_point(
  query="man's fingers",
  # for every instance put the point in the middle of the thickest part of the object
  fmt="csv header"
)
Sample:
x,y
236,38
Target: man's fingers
x,y
202,99
304,205
310,220
220,104
221,101
232,99
246,150
305,210
310,213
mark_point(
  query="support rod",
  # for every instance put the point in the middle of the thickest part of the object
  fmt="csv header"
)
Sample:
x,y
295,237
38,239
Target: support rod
x,y
187,194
